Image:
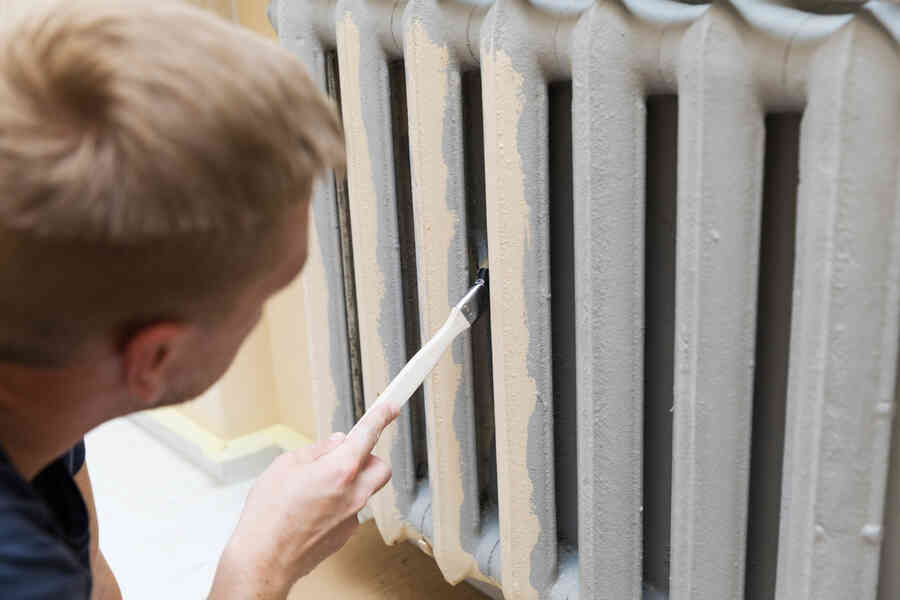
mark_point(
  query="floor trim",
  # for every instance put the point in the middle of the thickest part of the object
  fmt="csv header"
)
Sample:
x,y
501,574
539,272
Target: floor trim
x,y
228,461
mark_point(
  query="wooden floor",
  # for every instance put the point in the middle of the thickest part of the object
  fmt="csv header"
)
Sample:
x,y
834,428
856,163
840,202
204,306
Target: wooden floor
x,y
366,569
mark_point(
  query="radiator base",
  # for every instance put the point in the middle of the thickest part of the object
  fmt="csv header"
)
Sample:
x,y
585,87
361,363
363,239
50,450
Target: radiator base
x,y
486,589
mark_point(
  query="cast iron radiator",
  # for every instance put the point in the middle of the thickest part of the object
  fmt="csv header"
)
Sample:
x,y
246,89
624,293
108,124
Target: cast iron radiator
x,y
687,384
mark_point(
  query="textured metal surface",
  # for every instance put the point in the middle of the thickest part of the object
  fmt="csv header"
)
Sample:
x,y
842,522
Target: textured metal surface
x,y
719,204
731,66
325,298
438,56
844,337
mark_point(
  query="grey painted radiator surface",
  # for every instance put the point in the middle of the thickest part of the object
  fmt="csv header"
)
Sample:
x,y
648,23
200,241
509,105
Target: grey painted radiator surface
x,y
691,213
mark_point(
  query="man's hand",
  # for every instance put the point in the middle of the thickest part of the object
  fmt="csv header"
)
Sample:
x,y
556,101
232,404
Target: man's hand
x,y
301,510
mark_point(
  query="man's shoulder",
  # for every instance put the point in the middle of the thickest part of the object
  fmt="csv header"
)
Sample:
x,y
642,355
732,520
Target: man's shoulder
x,y
35,562
18,502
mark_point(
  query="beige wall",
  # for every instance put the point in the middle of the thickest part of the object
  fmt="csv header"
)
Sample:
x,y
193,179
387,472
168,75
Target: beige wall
x,y
250,13
268,383
289,346
244,400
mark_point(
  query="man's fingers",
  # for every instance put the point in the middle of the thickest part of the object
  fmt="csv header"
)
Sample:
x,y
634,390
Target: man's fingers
x,y
373,475
362,438
313,452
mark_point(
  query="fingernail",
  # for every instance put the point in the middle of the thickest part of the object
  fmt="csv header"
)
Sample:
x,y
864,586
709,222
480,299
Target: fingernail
x,y
337,435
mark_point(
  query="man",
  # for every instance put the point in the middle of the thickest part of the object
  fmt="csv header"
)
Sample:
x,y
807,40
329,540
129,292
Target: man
x,y
156,166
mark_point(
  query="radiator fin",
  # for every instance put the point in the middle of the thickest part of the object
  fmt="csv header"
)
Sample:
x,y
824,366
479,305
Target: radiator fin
x,y
333,86
562,291
773,327
659,336
407,249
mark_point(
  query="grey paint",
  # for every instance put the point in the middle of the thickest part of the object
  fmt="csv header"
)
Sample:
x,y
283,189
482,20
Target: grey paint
x,y
420,512
737,62
889,583
480,334
378,48
298,36
459,279
508,28
428,15
488,590
617,62
348,270
535,272
487,553
719,200
609,224
844,332
458,282
407,256
478,533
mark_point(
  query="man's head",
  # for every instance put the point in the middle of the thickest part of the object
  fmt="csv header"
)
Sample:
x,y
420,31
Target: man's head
x,y
156,165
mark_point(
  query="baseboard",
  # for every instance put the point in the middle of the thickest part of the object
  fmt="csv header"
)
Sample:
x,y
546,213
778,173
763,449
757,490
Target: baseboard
x,y
228,461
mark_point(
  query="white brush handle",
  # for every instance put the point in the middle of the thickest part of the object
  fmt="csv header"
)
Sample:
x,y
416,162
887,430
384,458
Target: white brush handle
x,y
417,369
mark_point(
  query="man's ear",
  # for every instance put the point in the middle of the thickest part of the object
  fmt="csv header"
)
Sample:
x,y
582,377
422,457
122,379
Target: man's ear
x,y
147,358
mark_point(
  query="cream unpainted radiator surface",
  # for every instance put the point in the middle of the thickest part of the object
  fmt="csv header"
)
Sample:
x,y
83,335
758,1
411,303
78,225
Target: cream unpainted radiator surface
x,y
692,215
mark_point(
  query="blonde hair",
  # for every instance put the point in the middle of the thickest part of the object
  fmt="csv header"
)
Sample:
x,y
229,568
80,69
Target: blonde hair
x,y
145,150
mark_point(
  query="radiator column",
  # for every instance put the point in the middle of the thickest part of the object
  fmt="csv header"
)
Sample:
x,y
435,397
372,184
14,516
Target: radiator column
x,y
516,178
721,140
323,277
366,44
609,112
845,326
434,92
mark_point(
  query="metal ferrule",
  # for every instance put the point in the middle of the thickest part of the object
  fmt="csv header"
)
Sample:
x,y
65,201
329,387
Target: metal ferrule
x,y
475,299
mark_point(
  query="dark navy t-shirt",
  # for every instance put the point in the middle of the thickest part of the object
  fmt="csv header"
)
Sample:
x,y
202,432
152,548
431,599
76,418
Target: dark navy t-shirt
x,y
44,532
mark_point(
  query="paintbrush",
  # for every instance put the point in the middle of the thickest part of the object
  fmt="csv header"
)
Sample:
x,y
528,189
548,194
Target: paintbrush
x,y
411,376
